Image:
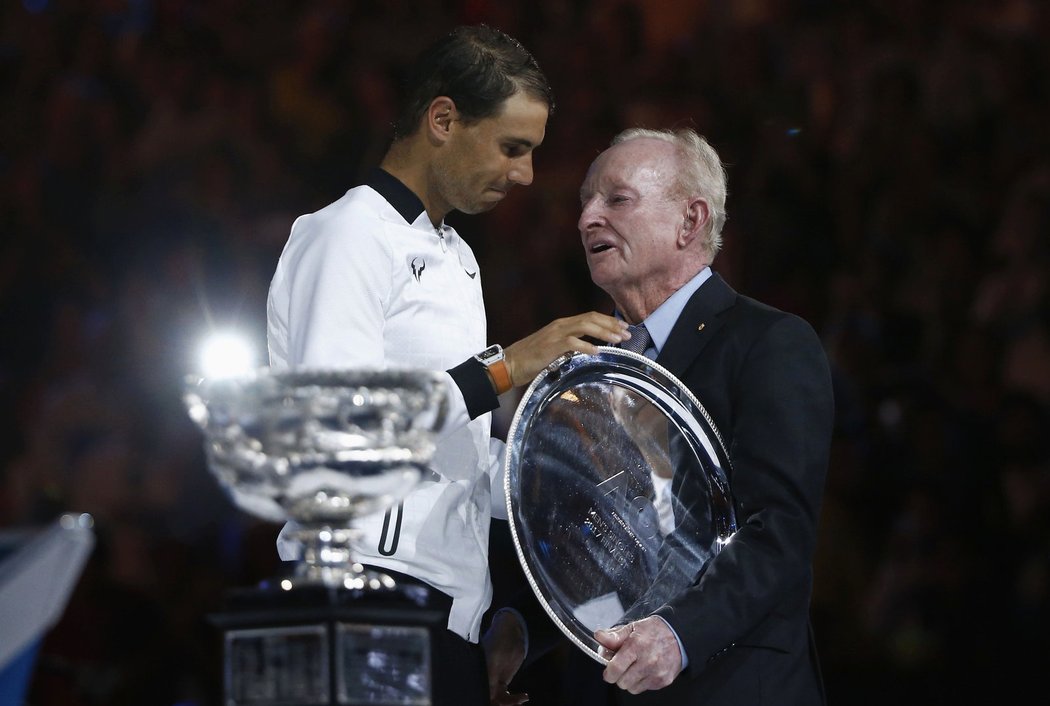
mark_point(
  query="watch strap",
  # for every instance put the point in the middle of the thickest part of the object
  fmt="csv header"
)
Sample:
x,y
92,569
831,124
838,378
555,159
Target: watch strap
x,y
500,376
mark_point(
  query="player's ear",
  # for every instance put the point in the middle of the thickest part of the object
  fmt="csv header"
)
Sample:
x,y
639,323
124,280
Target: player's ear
x,y
440,115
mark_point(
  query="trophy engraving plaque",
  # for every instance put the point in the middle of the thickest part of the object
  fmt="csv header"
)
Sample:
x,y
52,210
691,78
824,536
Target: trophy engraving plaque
x,y
617,490
383,664
277,665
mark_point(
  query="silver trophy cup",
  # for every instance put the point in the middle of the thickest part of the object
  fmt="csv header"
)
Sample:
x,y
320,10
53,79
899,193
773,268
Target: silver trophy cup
x,y
319,448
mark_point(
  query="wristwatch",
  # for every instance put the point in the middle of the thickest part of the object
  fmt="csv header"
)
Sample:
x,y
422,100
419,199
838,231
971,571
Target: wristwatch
x,y
495,362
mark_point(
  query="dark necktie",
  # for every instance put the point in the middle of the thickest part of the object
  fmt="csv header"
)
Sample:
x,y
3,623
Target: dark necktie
x,y
639,340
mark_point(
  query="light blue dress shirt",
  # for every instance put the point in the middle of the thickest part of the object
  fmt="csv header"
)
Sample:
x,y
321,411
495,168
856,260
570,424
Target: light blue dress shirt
x,y
659,325
660,322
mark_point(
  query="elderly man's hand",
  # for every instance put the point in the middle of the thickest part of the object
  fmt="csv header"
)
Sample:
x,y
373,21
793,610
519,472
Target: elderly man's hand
x,y
646,655
504,644
527,357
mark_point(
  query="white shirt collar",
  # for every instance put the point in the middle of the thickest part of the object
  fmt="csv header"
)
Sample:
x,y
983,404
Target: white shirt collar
x,y
662,320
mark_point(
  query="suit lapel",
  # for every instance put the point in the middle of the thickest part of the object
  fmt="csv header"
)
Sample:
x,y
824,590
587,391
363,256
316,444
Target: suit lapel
x,y
698,323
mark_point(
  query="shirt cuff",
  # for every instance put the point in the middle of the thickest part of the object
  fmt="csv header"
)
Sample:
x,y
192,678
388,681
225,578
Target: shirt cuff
x,y
473,381
681,648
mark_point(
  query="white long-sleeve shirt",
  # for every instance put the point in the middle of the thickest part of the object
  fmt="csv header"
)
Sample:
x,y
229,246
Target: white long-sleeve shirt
x,y
369,281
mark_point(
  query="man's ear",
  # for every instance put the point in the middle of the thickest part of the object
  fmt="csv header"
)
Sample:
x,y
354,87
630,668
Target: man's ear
x,y
440,115
697,214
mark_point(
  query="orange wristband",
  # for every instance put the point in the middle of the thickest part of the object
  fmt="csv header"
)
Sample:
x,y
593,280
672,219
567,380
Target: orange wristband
x,y
500,375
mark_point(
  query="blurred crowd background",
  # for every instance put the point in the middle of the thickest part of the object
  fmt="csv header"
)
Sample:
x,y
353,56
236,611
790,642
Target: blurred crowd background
x,y
889,181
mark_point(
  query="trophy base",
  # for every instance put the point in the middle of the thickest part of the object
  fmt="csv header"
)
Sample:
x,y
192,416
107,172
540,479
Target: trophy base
x,y
355,579
318,645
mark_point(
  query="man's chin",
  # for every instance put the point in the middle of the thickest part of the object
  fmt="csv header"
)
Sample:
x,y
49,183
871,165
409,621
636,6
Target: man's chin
x,y
479,207
604,278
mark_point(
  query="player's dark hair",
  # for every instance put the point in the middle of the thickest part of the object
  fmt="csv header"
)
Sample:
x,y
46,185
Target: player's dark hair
x,y
478,67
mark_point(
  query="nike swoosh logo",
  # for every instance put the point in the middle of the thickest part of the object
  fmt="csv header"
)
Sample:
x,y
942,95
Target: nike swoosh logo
x,y
472,275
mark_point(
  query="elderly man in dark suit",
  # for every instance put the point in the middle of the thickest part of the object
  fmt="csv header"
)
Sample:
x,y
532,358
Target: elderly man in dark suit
x,y
653,205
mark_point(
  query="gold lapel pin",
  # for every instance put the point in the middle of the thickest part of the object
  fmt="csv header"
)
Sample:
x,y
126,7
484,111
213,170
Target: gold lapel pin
x,y
700,327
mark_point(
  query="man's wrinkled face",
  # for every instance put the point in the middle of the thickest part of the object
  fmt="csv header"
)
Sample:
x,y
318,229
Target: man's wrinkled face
x,y
482,161
630,221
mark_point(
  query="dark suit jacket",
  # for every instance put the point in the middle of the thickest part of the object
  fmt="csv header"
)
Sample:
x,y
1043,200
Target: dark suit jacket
x,y
764,378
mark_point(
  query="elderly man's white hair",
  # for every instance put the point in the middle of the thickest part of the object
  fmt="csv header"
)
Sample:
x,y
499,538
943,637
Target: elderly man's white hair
x,y
701,173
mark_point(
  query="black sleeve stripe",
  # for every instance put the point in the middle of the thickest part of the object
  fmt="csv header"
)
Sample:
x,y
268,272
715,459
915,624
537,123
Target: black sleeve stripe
x,y
473,381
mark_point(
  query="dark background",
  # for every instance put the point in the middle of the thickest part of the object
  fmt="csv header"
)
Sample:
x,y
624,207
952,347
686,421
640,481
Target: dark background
x,y
888,179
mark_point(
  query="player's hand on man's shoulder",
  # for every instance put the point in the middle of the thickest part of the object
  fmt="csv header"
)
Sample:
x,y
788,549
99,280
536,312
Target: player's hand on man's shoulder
x,y
527,357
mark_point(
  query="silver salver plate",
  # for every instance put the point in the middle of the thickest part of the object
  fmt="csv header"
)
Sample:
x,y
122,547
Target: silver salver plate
x,y
617,490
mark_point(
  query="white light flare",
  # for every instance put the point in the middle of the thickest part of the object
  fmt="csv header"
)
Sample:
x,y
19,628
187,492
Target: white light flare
x,y
226,355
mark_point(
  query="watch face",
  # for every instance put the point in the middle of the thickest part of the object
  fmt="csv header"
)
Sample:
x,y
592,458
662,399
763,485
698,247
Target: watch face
x,y
491,353
617,491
